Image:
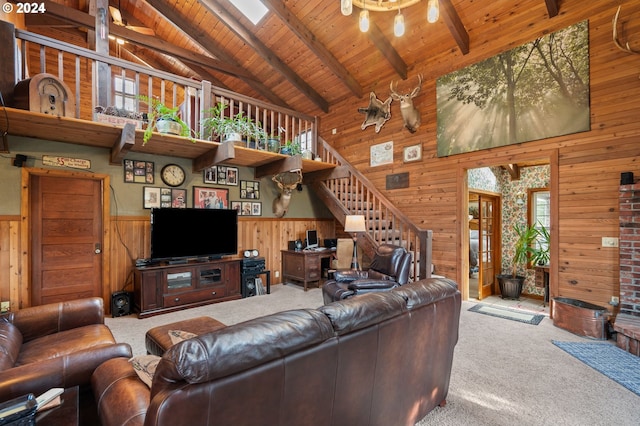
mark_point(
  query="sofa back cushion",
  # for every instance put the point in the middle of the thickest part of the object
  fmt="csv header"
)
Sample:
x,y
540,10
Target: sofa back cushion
x,y
10,344
242,346
362,311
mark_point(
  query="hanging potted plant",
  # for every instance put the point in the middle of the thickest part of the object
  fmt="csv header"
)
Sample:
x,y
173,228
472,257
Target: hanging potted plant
x,y
511,284
163,119
232,128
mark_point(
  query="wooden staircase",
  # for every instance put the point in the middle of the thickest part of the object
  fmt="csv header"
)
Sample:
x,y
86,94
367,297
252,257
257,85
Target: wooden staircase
x,y
345,191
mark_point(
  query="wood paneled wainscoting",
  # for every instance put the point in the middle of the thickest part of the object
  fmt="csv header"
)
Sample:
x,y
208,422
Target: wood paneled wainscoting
x,y
10,260
130,240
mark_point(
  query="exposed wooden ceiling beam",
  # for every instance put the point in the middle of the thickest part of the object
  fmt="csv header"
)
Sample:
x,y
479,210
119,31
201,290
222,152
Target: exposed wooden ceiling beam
x,y
457,29
513,170
552,7
211,46
85,20
385,47
318,49
220,10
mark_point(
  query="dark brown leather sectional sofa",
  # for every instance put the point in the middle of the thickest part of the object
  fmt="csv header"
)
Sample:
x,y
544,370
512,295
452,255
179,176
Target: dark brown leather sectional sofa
x,y
54,345
375,359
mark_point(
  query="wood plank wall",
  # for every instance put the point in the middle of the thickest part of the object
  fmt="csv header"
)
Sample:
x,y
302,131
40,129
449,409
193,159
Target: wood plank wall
x,y
585,167
130,240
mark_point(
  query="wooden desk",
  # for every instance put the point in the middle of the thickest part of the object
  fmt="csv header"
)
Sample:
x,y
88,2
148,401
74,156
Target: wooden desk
x,y
303,266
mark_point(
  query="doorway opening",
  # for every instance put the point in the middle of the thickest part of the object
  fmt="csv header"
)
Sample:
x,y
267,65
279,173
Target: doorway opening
x,y
498,198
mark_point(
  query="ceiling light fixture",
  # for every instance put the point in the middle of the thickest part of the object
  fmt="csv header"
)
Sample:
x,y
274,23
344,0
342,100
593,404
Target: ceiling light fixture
x,y
364,20
346,7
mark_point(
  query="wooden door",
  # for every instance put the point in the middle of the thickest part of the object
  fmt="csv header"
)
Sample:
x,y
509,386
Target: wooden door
x,y
489,226
66,238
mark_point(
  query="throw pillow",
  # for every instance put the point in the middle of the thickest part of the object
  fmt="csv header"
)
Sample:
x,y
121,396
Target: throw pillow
x,y
178,336
145,367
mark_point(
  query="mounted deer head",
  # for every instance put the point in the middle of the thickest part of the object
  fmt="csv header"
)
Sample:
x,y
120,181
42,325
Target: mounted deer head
x,y
410,114
625,47
377,112
286,182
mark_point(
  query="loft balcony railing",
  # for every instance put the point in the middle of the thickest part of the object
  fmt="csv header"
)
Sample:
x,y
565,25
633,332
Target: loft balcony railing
x,y
91,76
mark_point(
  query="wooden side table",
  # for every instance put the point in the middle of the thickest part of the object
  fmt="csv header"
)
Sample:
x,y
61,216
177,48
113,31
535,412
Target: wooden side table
x,y
303,266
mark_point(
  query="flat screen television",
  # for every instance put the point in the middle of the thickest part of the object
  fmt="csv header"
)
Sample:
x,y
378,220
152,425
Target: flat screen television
x,y
193,233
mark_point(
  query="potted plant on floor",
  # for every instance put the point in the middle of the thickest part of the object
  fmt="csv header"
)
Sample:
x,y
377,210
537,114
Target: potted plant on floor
x,y
511,284
232,128
540,252
163,119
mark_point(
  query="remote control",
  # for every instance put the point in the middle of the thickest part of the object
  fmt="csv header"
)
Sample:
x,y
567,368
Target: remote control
x,y
46,397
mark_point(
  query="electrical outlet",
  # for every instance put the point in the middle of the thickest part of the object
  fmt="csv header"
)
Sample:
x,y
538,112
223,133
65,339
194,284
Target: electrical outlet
x,y
276,274
609,242
614,301
5,306
334,131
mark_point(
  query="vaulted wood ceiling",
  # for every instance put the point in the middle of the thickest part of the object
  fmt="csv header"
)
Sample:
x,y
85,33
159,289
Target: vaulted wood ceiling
x,y
304,55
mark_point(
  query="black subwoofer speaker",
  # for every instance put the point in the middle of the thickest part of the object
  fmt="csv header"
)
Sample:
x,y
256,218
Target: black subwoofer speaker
x,y
248,286
121,303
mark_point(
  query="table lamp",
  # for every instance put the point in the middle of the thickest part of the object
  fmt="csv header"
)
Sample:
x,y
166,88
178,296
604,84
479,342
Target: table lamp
x,y
354,224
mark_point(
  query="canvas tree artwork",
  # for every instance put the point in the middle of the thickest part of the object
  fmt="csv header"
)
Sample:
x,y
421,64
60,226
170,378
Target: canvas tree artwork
x,y
535,91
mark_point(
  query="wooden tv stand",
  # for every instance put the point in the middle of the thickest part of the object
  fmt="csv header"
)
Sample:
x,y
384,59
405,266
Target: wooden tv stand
x,y
165,287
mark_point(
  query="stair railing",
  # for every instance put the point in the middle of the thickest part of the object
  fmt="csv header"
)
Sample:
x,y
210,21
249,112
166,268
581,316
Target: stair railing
x,y
346,191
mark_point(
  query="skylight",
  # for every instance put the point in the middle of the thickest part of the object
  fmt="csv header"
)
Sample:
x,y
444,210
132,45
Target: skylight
x,y
254,10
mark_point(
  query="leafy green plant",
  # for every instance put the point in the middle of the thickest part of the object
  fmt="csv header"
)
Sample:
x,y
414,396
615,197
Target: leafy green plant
x,y
540,254
291,148
159,112
523,246
239,123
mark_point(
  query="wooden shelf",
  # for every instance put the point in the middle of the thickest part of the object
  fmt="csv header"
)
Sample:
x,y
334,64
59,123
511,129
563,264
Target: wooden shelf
x,y
108,136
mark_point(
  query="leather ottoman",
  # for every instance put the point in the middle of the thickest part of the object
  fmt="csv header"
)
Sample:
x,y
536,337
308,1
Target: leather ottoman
x,y
158,340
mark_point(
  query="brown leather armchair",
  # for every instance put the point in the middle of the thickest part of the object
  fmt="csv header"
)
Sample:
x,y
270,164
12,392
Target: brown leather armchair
x,y
389,268
54,345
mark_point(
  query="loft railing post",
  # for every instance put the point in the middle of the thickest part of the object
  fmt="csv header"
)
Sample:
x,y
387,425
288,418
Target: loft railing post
x,y
206,97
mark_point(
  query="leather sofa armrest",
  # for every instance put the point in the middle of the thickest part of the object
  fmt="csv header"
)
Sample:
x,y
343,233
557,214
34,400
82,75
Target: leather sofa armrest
x,y
60,372
347,275
372,284
38,321
121,397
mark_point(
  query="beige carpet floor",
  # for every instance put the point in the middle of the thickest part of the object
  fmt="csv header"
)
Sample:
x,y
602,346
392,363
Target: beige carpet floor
x,y
504,372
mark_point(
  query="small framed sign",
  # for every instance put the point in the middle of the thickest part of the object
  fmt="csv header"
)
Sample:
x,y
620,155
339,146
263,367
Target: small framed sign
x,y
412,153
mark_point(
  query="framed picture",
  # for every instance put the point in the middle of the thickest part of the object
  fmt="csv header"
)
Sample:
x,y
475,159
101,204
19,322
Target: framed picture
x,y
412,153
246,208
136,171
151,197
178,198
381,153
256,209
210,198
165,197
237,205
249,189
232,176
210,175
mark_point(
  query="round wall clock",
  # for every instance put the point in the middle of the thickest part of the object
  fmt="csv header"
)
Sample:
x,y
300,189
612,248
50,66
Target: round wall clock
x,y
172,175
